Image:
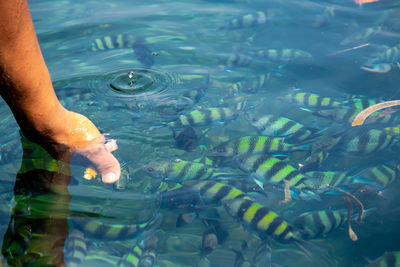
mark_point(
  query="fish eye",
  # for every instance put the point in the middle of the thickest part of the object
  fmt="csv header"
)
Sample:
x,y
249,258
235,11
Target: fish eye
x,y
150,169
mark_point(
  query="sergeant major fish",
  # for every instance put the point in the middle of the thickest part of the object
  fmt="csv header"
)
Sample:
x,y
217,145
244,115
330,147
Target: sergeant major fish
x,y
268,169
250,85
282,55
110,231
261,219
250,20
181,170
293,131
208,115
310,100
109,42
318,223
253,145
363,141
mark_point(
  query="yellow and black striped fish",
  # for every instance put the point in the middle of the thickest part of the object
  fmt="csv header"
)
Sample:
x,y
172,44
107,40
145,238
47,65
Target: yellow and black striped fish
x,y
261,219
268,169
253,145
282,55
281,126
362,141
250,85
181,170
75,248
310,100
208,115
318,223
119,41
142,254
109,231
383,174
250,20
319,179
215,192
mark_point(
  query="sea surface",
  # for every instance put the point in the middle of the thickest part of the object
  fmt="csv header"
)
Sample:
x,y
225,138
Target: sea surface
x,y
173,80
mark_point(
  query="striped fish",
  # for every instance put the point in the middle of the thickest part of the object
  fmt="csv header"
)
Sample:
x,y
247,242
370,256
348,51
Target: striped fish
x,y
181,170
253,145
249,85
261,219
363,35
142,254
310,100
208,115
75,248
281,126
250,20
362,103
341,115
316,224
234,60
383,174
364,141
114,42
212,192
319,179
268,169
389,259
109,231
119,41
282,55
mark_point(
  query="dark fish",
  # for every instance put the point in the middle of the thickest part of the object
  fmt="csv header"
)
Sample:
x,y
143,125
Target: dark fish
x,y
209,241
389,259
186,139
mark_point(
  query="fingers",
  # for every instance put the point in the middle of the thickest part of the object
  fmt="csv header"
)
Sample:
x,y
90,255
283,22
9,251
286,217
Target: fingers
x,y
103,161
112,172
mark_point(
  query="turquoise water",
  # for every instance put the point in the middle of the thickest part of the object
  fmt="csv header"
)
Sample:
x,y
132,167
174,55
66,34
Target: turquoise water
x,y
134,67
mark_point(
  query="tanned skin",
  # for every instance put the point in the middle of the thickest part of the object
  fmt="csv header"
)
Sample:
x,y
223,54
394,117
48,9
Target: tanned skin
x,y
26,86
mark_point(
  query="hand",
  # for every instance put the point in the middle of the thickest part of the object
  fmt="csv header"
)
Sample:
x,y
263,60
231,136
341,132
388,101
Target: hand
x,y
74,134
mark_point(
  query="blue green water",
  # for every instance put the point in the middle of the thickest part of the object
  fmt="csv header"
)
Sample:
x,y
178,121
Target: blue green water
x,y
184,48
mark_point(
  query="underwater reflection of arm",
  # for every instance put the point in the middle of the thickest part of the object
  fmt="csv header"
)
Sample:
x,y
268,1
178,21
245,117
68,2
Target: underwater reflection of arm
x,y
38,226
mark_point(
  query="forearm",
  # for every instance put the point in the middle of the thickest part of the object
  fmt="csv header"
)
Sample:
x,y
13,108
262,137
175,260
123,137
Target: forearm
x,y
25,83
